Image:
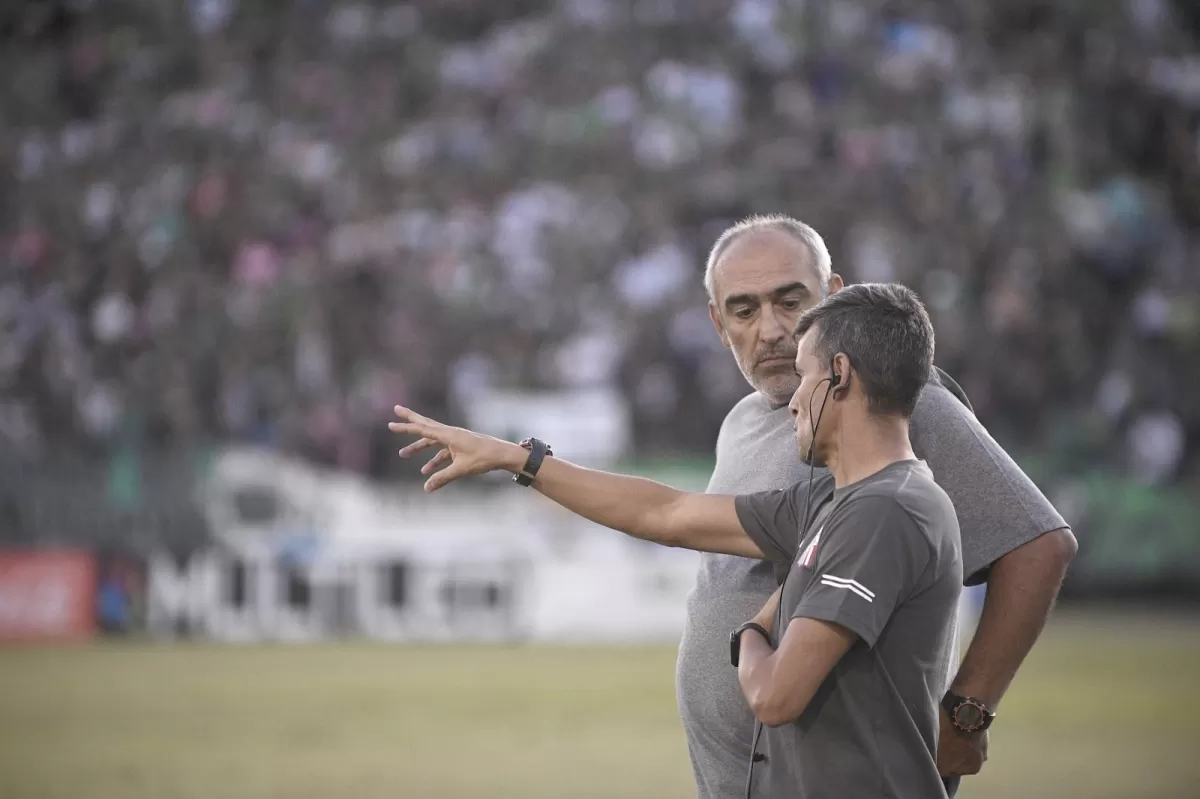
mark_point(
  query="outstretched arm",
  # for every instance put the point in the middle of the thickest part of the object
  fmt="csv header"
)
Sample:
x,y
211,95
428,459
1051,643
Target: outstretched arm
x,y
638,507
643,508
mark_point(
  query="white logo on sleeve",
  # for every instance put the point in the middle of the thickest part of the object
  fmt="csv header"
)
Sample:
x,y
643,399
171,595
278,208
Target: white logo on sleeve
x,y
849,585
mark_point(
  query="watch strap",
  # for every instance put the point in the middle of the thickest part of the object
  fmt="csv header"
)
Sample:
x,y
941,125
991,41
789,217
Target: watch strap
x,y
735,639
951,702
538,450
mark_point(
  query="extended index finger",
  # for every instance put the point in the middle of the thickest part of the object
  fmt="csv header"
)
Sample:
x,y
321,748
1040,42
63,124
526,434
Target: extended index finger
x,y
411,429
414,424
409,415
410,422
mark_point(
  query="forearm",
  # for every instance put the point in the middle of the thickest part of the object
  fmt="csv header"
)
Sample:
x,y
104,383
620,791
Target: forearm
x,y
779,683
642,508
1021,591
635,506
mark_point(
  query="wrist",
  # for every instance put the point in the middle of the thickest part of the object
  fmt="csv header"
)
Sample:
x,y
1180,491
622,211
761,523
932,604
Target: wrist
x,y
736,638
977,690
968,714
511,457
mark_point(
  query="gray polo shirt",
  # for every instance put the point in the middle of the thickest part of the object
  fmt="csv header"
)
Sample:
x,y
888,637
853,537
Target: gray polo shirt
x,y
883,559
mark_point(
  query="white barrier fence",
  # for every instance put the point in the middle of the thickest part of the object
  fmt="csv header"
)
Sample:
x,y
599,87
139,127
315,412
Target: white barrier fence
x,y
337,556
420,598
397,598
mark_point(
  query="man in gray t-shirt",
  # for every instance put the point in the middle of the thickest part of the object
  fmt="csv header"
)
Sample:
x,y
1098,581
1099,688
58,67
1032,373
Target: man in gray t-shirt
x,y
881,558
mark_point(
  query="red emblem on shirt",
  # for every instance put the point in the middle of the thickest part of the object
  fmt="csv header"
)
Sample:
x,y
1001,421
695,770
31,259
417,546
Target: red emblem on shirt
x,y
809,557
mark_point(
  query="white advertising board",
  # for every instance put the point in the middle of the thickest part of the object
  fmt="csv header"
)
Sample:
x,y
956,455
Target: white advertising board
x,y
328,554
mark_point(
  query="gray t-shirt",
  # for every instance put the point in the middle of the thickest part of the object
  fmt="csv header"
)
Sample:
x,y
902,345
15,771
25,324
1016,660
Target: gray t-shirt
x,y
998,508
882,558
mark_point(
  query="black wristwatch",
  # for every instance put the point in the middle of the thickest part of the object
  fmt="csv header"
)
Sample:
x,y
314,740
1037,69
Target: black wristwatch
x,y
735,639
538,450
966,713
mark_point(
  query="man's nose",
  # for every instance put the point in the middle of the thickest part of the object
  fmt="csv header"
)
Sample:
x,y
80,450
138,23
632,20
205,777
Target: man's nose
x,y
794,404
771,329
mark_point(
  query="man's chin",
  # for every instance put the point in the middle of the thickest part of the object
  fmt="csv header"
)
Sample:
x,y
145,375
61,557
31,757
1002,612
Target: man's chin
x,y
806,457
776,388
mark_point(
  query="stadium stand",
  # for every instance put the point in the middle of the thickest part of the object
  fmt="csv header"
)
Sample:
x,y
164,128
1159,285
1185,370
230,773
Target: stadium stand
x,y
242,220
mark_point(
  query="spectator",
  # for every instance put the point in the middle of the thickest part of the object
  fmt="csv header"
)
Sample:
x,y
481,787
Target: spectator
x,y
270,222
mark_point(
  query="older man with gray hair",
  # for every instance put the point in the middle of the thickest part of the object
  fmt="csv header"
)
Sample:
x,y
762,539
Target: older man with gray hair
x,y
761,275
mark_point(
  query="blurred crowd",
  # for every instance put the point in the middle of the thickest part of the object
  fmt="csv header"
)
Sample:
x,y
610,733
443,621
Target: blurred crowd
x,y
270,221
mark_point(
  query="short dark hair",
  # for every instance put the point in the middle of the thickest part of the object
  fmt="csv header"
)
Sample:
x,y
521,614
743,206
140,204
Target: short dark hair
x,y
885,332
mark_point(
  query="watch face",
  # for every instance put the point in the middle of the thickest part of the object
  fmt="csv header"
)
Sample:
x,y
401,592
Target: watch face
x,y
968,716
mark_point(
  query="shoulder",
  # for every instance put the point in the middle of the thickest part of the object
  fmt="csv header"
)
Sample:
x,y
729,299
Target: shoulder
x,y
999,508
877,504
743,416
911,498
807,493
878,525
936,404
948,436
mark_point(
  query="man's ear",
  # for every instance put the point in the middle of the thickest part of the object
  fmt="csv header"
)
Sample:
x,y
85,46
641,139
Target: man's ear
x,y
715,315
841,367
836,283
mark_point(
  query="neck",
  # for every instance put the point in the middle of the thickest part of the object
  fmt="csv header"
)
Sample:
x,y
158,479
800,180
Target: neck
x,y
868,444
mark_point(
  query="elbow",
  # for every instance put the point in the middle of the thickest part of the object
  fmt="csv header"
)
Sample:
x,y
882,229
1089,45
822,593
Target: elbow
x,y
1060,547
667,536
1070,545
1048,555
665,528
658,530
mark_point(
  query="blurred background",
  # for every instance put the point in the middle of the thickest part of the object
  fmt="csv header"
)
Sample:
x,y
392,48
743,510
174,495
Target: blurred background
x,y
234,233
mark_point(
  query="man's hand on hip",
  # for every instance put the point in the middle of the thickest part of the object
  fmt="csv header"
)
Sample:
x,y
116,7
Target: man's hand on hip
x,y
959,752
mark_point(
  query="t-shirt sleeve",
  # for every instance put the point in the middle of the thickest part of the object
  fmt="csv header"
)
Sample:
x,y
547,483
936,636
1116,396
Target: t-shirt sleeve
x,y
999,508
772,520
871,557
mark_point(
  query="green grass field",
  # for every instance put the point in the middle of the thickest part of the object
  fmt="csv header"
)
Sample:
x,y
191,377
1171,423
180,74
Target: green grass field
x,y
1106,707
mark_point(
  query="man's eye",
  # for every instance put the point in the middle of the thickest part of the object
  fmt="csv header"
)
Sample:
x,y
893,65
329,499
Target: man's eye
x,y
744,313
791,305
